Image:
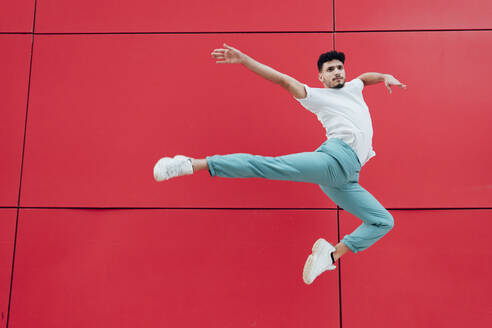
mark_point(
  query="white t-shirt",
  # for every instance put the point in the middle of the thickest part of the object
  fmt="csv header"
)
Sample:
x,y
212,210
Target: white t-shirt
x,y
344,115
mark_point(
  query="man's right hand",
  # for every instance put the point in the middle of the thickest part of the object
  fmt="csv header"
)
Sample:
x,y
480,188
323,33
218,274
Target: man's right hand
x,y
229,55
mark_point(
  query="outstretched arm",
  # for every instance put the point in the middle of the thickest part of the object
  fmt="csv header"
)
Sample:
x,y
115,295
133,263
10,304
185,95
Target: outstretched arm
x,y
373,78
230,55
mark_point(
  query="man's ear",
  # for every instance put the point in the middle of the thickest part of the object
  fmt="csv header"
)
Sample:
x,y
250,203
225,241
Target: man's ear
x,y
320,77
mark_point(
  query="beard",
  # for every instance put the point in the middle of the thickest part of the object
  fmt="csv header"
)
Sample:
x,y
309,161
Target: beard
x,y
339,85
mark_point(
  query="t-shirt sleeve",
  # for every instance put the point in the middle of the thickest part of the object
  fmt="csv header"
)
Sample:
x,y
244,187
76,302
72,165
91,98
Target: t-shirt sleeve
x,y
309,96
358,83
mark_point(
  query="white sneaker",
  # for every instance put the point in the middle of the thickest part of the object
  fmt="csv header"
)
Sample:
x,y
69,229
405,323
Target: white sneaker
x,y
167,167
319,261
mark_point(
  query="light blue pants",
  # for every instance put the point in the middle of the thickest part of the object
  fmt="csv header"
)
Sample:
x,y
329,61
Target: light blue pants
x,y
334,166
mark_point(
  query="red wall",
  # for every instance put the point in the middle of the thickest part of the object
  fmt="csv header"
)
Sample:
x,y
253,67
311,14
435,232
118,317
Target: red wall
x,y
95,92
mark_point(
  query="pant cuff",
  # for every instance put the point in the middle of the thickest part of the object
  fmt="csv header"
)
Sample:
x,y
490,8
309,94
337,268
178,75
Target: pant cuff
x,y
349,245
211,168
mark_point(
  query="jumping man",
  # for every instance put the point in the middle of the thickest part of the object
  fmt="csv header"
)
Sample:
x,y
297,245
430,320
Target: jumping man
x,y
334,166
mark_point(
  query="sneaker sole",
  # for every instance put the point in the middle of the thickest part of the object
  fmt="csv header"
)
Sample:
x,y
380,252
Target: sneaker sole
x,y
308,266
307,269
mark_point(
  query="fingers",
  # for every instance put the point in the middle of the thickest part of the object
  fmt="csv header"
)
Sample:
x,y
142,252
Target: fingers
x,y
397,83
218,52
393,81
221,60
220,55
222,52
228,47
388,87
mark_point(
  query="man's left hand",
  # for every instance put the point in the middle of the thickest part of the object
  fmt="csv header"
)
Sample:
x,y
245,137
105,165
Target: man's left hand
x,y
390,80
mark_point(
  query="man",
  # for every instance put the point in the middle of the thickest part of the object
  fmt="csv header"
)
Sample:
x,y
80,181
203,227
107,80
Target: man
x,y
334,166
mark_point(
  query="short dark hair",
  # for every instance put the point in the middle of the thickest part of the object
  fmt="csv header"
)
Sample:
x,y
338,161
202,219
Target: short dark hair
x,y
330,55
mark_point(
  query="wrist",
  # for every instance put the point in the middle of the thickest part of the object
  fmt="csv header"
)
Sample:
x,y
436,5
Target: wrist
x,y
244,59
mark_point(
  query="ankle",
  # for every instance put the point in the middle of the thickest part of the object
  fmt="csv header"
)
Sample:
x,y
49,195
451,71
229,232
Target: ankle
x,y
340,250
199,164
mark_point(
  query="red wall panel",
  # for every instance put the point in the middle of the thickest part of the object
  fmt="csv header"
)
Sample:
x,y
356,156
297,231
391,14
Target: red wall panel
x,y
104,109
412,15
134,268
16,16
14,69
431,270
430,139
7,234
183,16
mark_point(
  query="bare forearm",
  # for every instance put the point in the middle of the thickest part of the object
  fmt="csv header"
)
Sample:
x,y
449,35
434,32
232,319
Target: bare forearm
x,y
388,79
233,56
372,78
263,70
